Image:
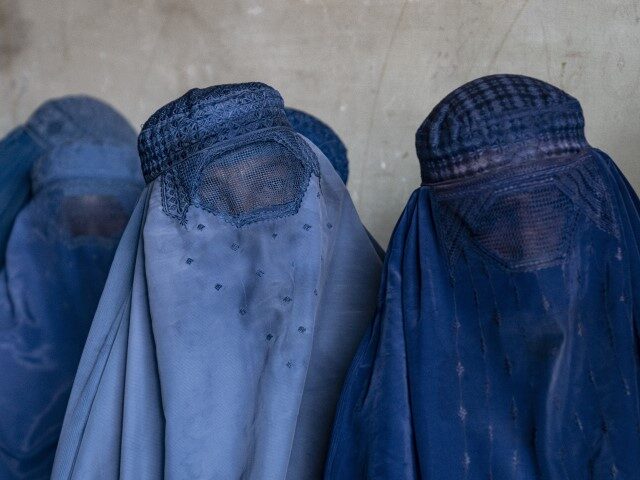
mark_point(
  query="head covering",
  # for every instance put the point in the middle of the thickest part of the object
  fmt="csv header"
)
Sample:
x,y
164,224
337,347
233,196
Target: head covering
x,y
54,123
237,297
83,187
505,344
323,137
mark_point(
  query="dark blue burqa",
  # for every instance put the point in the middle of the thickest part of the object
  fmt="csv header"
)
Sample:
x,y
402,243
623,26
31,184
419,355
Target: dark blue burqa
x,y
505,344
71,181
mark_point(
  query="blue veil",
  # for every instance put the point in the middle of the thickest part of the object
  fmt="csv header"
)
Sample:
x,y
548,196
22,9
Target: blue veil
x,y
55,122
237,297
506,340
77,184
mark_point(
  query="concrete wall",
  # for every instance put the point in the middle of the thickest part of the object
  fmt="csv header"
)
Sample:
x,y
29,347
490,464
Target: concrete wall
x,y
371,69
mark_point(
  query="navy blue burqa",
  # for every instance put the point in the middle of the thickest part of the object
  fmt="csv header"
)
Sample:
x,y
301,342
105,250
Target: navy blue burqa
x,y
505,344
71,181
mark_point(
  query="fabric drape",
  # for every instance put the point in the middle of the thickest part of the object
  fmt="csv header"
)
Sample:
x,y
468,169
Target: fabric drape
x,y
323,137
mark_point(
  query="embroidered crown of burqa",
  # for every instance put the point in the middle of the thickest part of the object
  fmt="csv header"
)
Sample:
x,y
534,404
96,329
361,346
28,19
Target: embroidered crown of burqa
x,y
506,340
235,302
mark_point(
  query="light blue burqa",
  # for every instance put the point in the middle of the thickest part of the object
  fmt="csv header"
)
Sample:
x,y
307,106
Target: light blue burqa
x,y
235,302
77,184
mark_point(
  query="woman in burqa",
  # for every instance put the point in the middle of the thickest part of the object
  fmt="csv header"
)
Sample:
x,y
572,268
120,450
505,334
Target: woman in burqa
x,y
237,297
506,340
71,182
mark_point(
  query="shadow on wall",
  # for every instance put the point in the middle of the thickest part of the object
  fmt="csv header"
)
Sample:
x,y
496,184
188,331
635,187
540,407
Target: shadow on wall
x,y
14,32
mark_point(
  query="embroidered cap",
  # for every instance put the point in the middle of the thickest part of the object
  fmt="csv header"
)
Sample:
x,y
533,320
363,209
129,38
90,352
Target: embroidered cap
x,y
479,125
79,117
202,118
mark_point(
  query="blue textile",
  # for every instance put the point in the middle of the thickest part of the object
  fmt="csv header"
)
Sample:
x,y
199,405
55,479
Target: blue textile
x,y
79,178
18,151
329,143
237,297
322,136
505,344
55,122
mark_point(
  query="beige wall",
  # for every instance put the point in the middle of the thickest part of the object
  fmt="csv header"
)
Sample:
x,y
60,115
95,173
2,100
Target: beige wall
x,y
371,69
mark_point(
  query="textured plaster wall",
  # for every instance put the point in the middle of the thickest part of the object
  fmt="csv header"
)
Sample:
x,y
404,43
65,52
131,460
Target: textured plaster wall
x,y
371,69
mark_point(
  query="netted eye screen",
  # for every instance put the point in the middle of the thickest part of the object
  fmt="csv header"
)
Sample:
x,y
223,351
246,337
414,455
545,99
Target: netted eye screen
x,y
526,227
527,221
258,176
93,215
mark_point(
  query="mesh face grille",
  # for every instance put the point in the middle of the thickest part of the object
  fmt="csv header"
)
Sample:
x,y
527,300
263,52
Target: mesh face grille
x,y
527,227
255,177
92,215
525,219
262,177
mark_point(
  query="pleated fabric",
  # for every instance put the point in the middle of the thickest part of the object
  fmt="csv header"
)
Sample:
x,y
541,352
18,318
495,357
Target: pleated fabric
x,y
71,182
237,297
505,344
18,151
